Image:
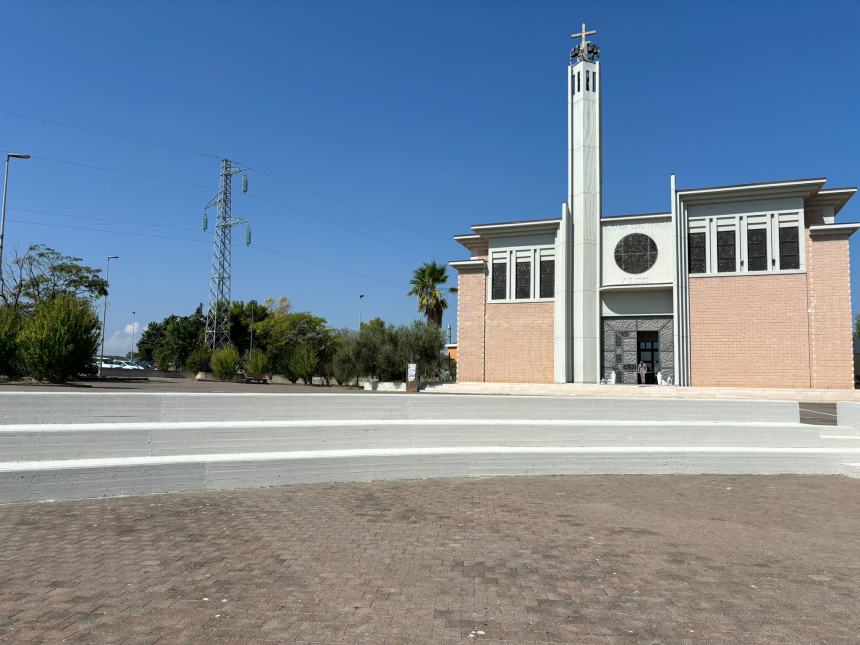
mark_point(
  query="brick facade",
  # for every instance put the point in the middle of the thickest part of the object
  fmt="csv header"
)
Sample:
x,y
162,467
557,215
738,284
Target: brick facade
x,y
519,346
501,342
471,303
830,333
789,330
749,331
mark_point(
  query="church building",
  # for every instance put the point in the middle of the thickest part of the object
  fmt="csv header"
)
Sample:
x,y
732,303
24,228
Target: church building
x,y
745,285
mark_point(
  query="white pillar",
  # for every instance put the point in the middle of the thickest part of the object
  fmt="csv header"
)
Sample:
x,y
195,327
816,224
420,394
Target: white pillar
x,y
584,199
562,341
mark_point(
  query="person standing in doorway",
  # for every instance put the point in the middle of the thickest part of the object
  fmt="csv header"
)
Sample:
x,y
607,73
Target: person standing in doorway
x,y
643,370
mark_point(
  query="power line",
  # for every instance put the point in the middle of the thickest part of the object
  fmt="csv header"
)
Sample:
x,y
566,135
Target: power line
x,y
121,172
329,267
104,219
339,225
289,182
262,199
295,258
105,230
349,205
122,137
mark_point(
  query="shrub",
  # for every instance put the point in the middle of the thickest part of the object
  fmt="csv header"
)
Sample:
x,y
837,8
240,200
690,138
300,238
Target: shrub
x,y
225,363
60,339
255,364
343,364
303,363
9,327
199,360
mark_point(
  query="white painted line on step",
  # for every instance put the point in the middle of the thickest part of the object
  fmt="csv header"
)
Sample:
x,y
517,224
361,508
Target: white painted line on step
x,y
359,423
414,452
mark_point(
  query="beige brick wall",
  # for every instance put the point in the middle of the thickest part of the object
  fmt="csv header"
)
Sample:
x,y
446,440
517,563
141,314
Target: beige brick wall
x,y
502,342
829,284
471,299
789,330
520,342
749,331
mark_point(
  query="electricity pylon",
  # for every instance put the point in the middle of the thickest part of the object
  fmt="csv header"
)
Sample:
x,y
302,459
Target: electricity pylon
x,y
218,316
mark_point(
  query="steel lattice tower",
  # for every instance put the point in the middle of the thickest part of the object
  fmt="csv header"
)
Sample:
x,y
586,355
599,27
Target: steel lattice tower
x,y
218,317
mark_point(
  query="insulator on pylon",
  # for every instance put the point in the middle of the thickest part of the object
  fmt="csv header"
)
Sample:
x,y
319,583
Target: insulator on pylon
x,y
248,236
205,221
244,183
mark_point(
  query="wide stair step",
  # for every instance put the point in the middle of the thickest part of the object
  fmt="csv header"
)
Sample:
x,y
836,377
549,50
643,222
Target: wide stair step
x,y
73,446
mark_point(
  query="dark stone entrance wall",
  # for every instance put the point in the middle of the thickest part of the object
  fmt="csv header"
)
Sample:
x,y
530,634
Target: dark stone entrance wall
x,y
619,346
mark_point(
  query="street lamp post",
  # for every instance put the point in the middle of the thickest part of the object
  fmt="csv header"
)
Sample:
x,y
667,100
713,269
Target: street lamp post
x,y
360,298
104,314
133,314
9,155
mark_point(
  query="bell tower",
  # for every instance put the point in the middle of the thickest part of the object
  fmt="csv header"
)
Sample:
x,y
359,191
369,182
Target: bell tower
x,y
585,175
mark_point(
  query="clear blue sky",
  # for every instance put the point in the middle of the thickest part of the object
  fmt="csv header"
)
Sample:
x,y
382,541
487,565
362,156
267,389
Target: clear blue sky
x,y
428,116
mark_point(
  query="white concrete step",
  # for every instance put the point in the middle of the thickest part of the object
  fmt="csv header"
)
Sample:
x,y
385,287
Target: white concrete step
x,y
72,479
831,439
119,407
34,442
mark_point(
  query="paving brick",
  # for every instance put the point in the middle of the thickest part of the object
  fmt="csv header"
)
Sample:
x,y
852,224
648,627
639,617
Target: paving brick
x,y
598,559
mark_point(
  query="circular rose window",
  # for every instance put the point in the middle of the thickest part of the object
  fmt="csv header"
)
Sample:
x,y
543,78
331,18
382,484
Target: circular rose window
x,y
635,253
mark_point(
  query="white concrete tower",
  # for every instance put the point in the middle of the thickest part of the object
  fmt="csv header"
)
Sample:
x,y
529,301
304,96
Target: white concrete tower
x,y
585,175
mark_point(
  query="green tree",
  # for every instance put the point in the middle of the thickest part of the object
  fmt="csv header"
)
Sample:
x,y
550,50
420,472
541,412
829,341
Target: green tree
x,y
226,363
428,287
59,340
384,352
282,331
150,339
303,363
170,342
10,325
242,316
42,273
344,364
422,344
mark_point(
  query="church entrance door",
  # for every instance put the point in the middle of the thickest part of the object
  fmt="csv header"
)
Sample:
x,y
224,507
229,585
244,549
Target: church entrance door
x,y
648,352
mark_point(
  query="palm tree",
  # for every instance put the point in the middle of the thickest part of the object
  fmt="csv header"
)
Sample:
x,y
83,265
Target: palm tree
x,y
426,282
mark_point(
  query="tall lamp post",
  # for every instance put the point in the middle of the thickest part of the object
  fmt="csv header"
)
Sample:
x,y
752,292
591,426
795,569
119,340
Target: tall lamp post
x,y
360,298
9,155
104,314
133,314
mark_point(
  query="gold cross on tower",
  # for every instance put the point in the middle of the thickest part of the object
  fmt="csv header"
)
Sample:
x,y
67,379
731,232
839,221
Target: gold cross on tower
x,y
583,35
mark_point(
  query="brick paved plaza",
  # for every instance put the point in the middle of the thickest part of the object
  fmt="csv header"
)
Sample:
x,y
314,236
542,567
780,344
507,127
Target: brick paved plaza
x,y
549,559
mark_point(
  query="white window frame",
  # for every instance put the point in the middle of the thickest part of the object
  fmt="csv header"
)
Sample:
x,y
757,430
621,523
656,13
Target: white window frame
x,y
741,224
509,256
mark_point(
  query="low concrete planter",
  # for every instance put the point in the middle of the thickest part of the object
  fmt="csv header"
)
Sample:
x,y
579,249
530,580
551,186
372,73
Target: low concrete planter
x,y
393,386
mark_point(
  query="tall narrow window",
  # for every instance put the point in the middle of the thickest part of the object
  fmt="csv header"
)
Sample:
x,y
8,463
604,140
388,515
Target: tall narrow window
x,y
523,284
726,256
587,78
789,248
547,274
593,81
499,277
577,81
757,249
697,252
